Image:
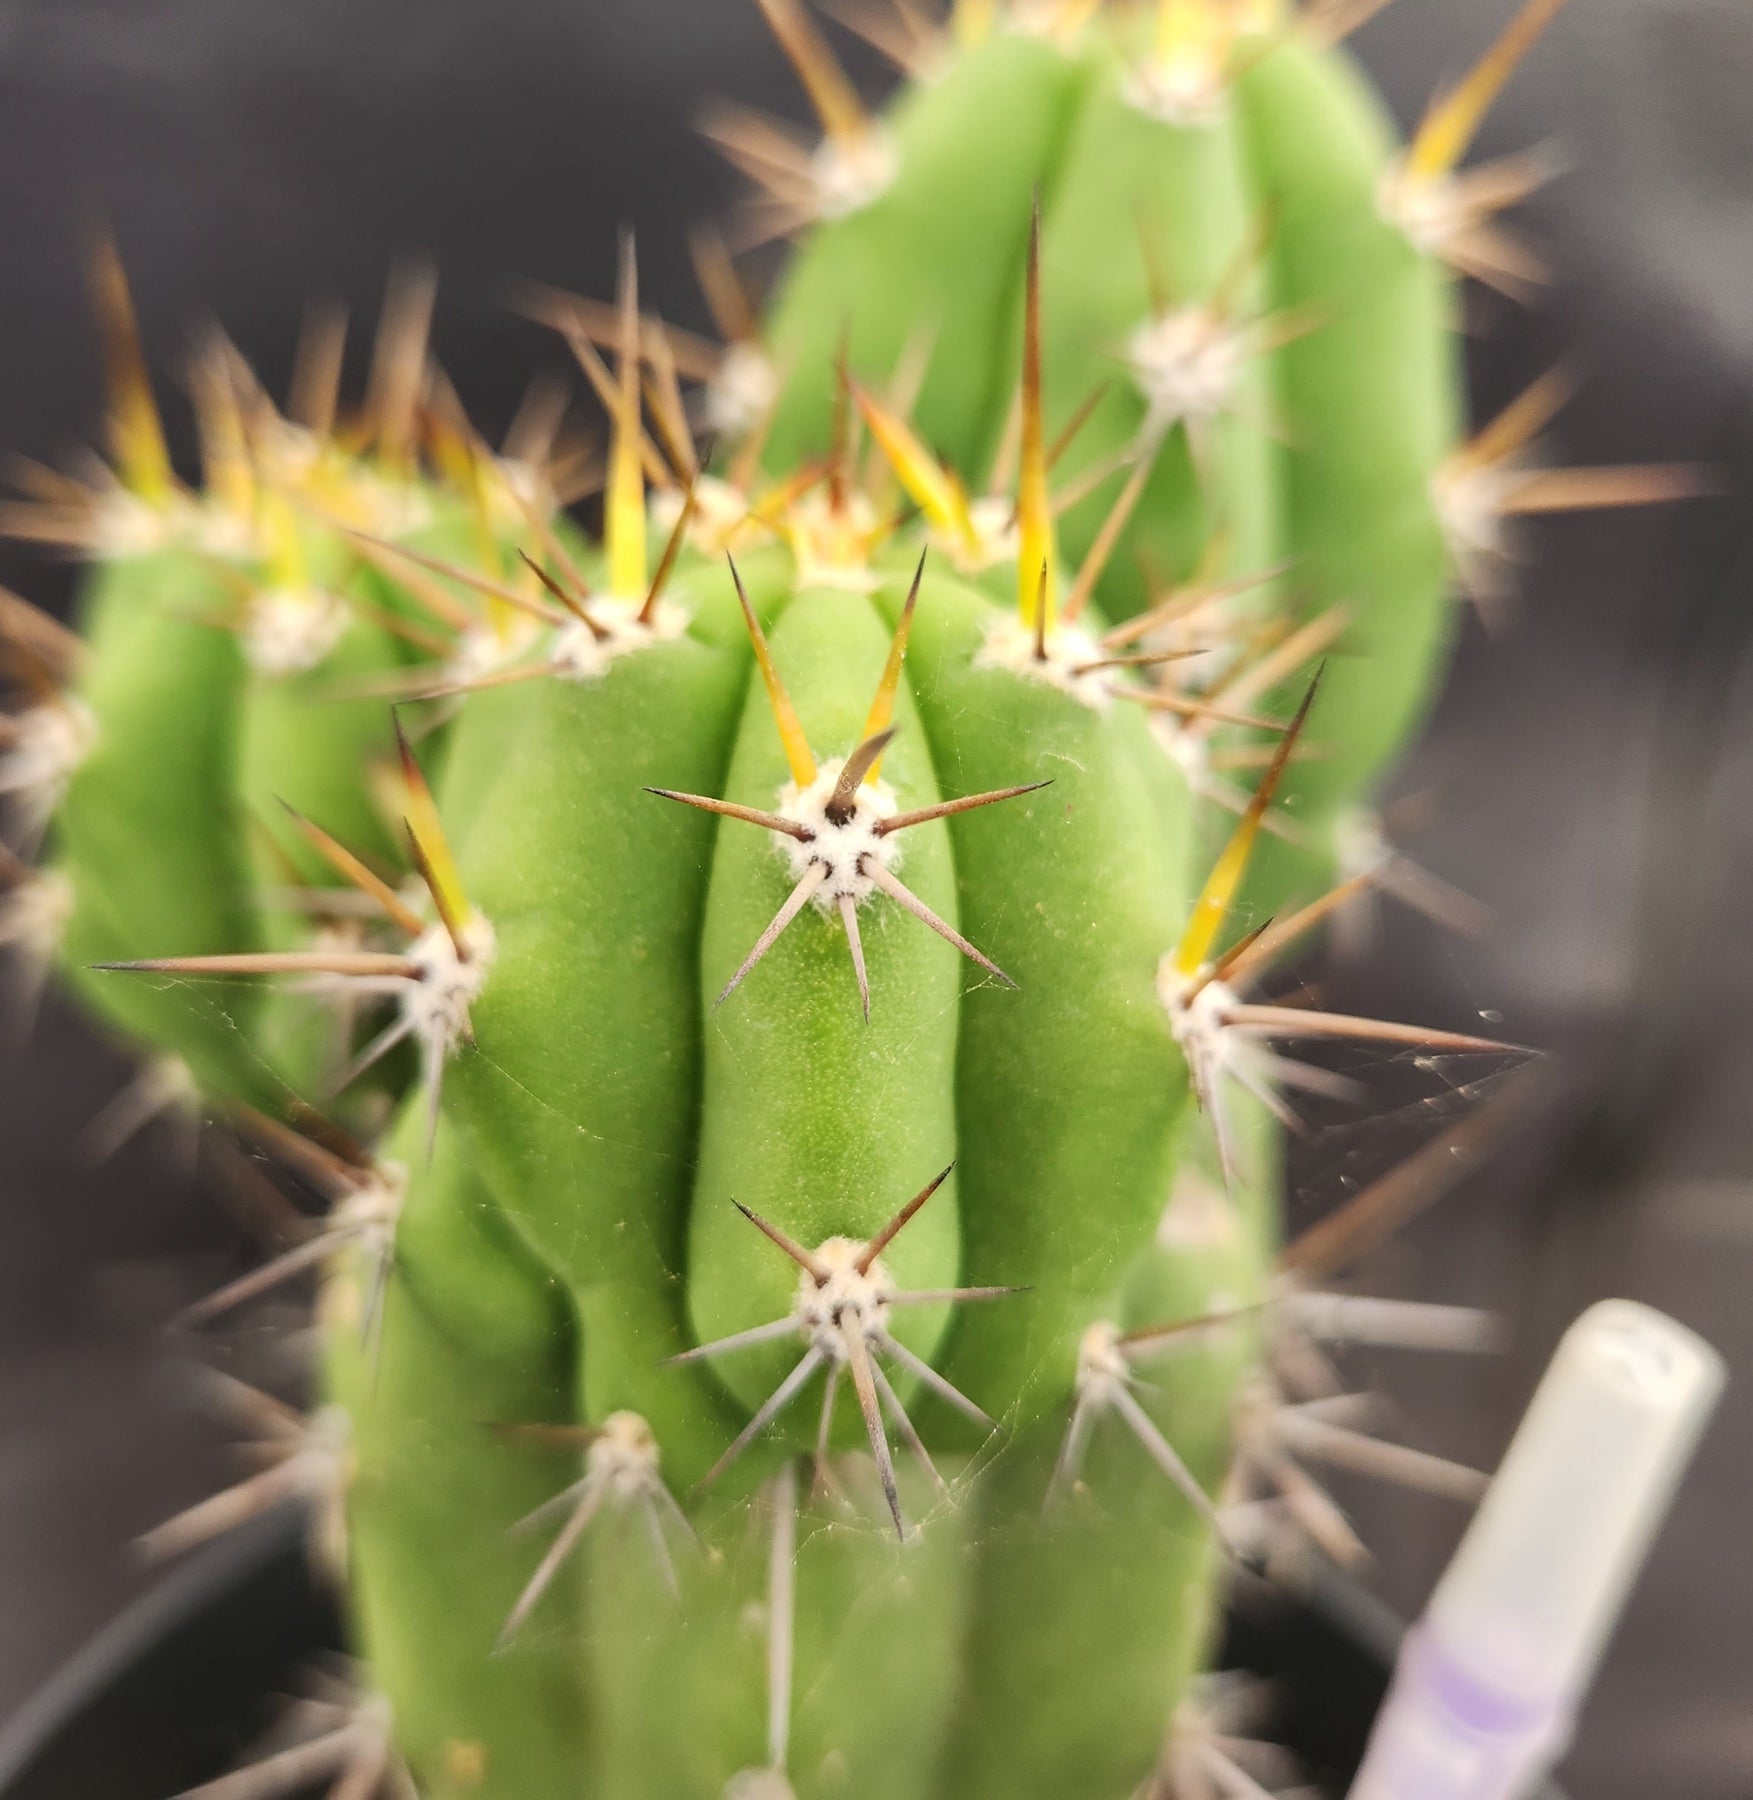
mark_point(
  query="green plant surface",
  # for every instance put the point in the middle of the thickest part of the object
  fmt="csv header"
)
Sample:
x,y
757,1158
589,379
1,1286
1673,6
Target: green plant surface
x,y
814,948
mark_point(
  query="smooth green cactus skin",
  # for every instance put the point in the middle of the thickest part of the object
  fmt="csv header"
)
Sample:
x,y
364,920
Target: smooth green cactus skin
x,y
493,718
817,1120
921,263
303,746
150,834
1100,1617
1127,1583
1132,192
1372,402
1071,1085
317,739
879,1646
470,1334
1063,1102
581,1097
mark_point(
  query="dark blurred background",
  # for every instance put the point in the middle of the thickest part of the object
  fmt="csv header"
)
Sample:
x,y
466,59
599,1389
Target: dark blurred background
x,y
1590,767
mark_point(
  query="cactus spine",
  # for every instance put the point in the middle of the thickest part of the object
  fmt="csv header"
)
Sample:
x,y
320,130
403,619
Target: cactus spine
x,y
828,1190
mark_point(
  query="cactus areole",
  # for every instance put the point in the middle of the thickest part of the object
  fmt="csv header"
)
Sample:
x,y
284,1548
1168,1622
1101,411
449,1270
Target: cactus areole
x,y
777,997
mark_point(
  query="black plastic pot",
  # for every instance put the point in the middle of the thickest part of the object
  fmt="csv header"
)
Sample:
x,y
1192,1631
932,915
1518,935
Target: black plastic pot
x,y
175,1689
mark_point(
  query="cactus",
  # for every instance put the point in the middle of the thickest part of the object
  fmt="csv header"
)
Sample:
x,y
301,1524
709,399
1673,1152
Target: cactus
x,y
812,1319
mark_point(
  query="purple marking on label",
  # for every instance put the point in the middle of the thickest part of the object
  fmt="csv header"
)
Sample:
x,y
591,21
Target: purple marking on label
x,y
1475,1704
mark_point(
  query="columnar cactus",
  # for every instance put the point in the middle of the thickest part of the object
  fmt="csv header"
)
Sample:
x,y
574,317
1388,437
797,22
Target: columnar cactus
x,y
799,956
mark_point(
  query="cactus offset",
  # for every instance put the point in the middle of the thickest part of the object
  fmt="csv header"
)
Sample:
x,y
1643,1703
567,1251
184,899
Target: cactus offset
x,y
829,1192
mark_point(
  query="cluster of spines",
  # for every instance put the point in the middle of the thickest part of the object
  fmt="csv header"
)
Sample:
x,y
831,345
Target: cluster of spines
x,y
1267,1516
844,1331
